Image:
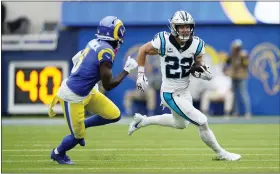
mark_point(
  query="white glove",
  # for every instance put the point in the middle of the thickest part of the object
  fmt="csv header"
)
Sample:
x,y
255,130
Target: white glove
x,y
142,81
130,64
205,75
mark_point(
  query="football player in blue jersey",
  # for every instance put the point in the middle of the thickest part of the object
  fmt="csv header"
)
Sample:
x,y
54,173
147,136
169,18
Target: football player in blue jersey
x,y
77,94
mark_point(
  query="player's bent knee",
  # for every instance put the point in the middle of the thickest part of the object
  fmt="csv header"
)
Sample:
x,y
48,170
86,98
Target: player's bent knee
x,y
116,114
204,121
204,126
116,119
79,134
198,117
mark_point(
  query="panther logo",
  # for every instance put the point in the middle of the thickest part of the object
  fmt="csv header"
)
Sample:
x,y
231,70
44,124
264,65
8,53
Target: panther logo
x,y
265,66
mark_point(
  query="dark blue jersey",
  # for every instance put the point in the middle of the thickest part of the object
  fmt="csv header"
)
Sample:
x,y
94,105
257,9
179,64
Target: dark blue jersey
x,y
86,71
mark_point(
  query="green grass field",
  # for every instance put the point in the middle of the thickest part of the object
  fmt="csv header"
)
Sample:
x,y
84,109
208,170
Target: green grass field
x,y
151,149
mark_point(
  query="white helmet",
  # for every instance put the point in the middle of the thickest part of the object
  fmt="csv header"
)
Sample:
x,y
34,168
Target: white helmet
x,y
181,18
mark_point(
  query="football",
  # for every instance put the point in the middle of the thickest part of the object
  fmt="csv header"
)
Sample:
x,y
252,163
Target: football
x,y
196,67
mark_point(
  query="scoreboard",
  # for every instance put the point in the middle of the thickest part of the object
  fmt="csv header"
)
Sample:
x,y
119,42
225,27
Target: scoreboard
x,y
33,84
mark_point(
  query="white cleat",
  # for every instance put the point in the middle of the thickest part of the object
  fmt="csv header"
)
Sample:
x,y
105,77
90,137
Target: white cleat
x,y
134,124
227,156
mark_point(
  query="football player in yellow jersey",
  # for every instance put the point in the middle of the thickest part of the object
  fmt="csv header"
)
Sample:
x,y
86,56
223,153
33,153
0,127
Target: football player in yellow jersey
x,y
77,94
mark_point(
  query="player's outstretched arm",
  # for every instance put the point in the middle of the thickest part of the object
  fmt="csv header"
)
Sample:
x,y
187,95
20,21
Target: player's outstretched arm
x,y
106,74
144,50
107,79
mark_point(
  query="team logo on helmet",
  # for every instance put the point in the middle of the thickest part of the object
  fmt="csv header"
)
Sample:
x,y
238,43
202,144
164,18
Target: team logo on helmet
x,y
111,28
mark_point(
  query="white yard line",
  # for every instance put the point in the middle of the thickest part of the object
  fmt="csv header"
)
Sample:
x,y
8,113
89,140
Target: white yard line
x,y
141,154
140,149
116,161
122,145
135,168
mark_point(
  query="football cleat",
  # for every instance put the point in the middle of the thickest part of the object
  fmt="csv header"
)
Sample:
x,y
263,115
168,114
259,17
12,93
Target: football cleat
x,y
134,124
227,156
61,159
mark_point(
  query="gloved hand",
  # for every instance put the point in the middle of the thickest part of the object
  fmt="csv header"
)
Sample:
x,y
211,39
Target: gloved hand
x,y
205,75
130,64
142,81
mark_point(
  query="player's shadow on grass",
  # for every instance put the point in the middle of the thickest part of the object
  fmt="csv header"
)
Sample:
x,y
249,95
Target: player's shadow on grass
x,y
216,159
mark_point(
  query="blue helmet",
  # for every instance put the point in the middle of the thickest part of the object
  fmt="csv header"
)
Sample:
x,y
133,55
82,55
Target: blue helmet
x,y
111,28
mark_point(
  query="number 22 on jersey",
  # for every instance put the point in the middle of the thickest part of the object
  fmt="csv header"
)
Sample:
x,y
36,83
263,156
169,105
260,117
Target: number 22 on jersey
x,y
178,68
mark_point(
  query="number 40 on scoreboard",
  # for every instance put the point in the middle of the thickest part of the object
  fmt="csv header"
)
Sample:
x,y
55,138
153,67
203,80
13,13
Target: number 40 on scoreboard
x,y
33,84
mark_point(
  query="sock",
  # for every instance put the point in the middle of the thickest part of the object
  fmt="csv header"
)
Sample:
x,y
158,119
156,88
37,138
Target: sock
x,y
97,120
209,138
67,143
162,120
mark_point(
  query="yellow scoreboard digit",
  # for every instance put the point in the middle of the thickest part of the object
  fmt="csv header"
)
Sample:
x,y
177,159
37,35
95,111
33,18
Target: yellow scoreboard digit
x,y
33,84
41,84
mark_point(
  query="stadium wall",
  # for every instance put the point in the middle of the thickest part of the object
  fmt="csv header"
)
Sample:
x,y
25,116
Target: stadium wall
x,y
37,12
261,41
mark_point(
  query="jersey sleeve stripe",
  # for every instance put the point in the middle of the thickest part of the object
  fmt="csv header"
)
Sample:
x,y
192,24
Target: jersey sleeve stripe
x,y
199,48
106,50
162,45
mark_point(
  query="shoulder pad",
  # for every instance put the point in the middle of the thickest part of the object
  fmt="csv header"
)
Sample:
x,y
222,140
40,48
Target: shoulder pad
x,y
99,45
200,45
163,33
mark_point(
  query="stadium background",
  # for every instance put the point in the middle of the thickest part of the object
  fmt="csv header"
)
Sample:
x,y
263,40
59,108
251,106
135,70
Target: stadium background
x,y
217,26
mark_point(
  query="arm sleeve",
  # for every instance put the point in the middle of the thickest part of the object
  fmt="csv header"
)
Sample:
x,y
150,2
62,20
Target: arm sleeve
x,y
75,59
156,41
159,43
106,54
200,50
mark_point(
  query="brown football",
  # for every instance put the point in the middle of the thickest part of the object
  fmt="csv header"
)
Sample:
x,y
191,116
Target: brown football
x,y
196,67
